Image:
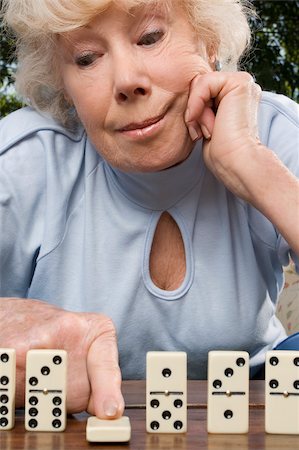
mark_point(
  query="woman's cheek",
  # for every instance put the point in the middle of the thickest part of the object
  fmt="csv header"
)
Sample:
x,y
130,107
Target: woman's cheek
x,y
177,76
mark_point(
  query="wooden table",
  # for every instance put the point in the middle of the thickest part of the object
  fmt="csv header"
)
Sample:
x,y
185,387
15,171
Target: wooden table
x,y
196,438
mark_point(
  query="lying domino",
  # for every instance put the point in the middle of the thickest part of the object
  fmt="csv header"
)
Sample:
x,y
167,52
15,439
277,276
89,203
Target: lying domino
x,y
7,388
45,393
228,392
282,392
114,430
166,392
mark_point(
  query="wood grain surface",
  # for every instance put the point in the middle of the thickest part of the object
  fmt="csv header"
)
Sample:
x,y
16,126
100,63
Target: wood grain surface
x,y
196,437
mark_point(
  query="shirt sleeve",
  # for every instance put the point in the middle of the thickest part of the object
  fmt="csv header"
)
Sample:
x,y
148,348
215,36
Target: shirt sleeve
x,y
21,214
279,131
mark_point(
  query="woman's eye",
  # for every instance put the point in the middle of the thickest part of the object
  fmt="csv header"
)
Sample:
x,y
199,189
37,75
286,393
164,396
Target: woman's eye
x,y
151,38
85,60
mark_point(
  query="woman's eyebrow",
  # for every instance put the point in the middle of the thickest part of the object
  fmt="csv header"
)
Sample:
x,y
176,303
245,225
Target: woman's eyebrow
x,y
137,13
153,9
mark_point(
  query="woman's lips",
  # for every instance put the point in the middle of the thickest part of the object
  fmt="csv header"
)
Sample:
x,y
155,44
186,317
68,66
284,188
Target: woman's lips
x,y
143,129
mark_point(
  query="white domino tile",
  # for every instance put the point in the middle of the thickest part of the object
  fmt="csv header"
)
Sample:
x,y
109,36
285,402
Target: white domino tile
x,y
116,430
282,392
166,392
228,392
7,388
45,393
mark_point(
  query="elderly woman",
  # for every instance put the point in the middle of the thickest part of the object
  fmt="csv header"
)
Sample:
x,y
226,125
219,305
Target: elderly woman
x,y
145,193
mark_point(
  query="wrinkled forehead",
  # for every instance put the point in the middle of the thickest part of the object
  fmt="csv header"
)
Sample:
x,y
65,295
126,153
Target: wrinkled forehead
x,y
68,15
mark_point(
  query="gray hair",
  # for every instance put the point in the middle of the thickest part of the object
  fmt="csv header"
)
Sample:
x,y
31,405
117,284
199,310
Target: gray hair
x,y
221,24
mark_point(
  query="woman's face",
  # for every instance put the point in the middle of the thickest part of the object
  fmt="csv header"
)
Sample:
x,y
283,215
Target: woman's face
x,y
128,76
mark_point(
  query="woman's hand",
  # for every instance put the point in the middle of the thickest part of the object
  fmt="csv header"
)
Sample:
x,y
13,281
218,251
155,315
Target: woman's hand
x,y
222,107
94,378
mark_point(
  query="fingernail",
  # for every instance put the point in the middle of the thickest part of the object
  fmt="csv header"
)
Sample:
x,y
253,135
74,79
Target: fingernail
x,y
193,133
205,132
110,408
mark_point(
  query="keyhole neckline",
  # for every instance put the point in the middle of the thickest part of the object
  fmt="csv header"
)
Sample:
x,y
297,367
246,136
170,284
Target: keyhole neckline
x,y
178,293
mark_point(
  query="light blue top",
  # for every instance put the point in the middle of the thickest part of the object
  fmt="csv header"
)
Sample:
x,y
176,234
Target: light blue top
x,y
77,233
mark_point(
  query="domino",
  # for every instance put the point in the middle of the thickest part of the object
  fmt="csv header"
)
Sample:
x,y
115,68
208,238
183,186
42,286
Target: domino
x,y
45,392
282,392
228,392
7,388
166,392
115,430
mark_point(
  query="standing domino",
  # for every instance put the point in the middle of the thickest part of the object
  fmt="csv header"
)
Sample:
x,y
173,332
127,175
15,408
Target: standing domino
x,y
166,392
45,396
228,392
282,392
114,430
7,388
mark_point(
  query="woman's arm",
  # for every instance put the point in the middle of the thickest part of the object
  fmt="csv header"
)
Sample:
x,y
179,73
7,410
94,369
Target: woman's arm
x,y
234,153
94,378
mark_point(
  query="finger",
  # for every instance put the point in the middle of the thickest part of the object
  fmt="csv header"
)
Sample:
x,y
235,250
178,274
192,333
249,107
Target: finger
x,y
104,373
194,131
212,87
203,126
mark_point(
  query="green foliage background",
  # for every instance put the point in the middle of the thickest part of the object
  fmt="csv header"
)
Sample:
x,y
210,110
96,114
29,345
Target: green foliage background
x,y
273,58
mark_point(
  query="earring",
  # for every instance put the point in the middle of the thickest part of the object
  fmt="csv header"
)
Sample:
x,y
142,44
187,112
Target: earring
x,y
218,65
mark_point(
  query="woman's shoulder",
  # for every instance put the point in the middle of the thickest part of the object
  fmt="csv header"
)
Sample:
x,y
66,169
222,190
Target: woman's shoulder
x,y
280,104
278,121
277,110
26,123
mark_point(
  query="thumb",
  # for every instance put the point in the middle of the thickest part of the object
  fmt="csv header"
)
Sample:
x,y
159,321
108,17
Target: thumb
x,y
106,401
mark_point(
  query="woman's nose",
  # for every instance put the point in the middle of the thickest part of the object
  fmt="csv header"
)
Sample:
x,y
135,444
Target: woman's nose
x,y
131,80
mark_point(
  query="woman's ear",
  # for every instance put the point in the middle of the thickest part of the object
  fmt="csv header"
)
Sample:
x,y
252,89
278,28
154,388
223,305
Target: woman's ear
x,y
215,63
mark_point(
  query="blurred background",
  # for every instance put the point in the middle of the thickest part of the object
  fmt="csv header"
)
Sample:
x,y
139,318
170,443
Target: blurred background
x,y
273,58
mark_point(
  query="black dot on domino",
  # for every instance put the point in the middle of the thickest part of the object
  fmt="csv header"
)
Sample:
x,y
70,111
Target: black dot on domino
x,y
178,425
4,380
296,362
228,372
296,384
155,403
33,400
33,412
32,423
228,414
240,362
178,403
273,384
155,425
56,401
57,360
3,422
4,399
33,381
45,370
166,415
217,384
3,410
274,361
56,423
166,373
4,357
56,412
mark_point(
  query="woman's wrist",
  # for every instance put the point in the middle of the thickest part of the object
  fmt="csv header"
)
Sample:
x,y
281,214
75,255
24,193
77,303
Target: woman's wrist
x,y
263,181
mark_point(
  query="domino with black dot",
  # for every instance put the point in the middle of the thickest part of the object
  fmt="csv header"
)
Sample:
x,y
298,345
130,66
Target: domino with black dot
x,y
228,392
7,388
282,392
45,392
166,392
